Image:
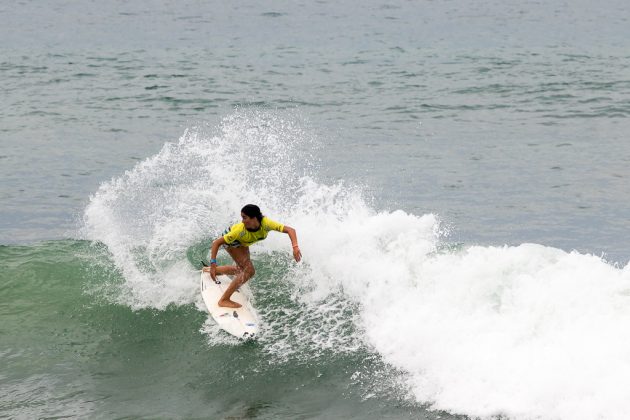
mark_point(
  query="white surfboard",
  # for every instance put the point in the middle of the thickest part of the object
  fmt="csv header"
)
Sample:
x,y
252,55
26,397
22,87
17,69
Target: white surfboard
x,y
241,322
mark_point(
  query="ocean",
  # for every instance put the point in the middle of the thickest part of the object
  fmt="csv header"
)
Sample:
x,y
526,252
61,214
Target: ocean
x,y
457,173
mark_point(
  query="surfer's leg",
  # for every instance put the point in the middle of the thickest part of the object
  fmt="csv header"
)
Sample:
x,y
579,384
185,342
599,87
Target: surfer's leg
x,y
246,271
240,255
229,270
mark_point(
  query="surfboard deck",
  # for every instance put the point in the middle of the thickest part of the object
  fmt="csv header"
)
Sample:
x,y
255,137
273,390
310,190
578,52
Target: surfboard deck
x,y
240,322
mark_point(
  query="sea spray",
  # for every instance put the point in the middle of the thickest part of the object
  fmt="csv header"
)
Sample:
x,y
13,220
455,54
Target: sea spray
x,y
189,192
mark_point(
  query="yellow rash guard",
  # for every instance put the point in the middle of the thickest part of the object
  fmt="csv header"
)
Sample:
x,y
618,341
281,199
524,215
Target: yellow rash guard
x,y
237,235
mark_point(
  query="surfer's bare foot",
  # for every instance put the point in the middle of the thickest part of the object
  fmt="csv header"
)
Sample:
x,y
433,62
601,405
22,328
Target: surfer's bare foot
x,y
229,304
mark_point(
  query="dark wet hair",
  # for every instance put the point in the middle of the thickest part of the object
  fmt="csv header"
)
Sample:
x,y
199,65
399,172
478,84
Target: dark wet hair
x,y
252,210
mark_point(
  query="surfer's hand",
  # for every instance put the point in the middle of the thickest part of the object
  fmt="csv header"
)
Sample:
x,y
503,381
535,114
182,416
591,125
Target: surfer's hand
x,y
296,253
213,272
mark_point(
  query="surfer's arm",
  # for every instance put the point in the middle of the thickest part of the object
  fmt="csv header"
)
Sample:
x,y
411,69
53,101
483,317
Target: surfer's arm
x,y
294,242
214,250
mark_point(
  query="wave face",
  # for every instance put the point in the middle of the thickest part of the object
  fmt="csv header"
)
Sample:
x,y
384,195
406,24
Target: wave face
x,y
521,332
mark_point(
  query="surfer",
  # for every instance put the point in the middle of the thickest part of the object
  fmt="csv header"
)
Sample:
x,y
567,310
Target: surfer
x,y
236,241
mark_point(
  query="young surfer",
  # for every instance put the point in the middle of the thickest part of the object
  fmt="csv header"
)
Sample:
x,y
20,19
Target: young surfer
x,y
236,241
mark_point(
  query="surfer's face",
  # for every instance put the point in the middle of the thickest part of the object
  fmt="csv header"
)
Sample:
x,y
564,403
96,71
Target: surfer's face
x,y
251,223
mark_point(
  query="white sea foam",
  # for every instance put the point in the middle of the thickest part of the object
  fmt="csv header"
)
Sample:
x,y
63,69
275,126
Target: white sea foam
x,y
524,332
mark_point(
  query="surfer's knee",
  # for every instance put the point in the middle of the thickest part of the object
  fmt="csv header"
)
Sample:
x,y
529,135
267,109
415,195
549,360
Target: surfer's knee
x,y
249,270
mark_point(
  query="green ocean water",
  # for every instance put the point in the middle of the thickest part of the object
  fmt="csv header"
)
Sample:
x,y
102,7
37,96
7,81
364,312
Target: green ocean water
x,y
69,351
